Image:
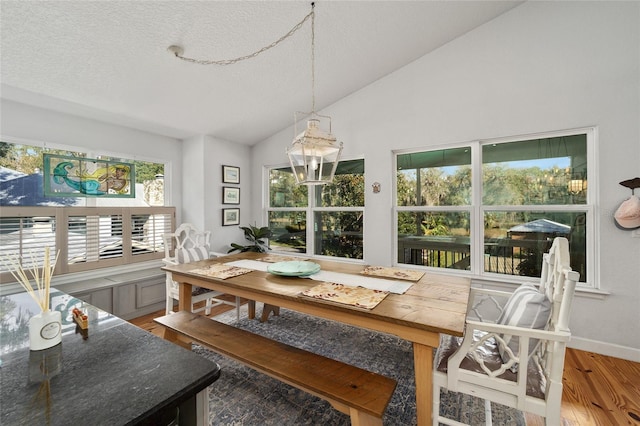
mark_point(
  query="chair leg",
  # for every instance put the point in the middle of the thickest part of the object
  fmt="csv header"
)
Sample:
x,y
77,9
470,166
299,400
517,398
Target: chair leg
x,y
207,307
554,403
237,309
488,418
168,305
435,411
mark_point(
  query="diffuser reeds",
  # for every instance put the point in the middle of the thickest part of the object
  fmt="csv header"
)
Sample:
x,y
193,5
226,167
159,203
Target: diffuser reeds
x,y
40,275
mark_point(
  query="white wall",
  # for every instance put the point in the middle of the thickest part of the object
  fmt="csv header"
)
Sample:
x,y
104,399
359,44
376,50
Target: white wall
x,y
39,126
192,182
203,158
542,66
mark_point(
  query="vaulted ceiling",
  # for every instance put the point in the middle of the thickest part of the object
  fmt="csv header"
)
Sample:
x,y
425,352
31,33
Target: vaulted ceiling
x,y
108,60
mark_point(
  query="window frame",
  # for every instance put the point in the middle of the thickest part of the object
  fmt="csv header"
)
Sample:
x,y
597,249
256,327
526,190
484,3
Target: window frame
x,y
97,153
61,214
310,210
477,210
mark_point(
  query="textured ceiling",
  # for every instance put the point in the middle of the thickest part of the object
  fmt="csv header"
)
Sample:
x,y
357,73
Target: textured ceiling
x,y
108,59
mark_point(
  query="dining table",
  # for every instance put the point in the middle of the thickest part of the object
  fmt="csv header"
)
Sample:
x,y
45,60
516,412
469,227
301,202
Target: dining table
x,y
423,309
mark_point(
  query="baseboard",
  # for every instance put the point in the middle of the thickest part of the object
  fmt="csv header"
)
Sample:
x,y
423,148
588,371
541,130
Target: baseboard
x,y
604,348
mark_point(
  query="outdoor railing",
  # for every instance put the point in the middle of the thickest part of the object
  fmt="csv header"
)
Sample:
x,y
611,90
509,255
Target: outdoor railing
x,y
503,256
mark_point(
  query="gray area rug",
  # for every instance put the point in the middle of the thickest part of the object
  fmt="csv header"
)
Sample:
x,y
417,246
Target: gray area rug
x,y
242,396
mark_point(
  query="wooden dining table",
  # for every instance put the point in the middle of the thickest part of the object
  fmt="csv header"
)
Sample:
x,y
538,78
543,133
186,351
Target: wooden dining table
x,y
435,304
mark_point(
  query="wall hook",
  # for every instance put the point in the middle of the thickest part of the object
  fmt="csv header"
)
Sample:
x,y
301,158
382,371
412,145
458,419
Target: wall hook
x,y
631,184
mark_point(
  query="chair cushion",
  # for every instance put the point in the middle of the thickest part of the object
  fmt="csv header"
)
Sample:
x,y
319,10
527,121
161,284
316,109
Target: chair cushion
x,y
526,308
192,254
197,291
536,380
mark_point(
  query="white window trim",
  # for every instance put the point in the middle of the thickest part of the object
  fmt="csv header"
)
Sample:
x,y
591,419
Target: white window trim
x,y
92,153
310,210
477,210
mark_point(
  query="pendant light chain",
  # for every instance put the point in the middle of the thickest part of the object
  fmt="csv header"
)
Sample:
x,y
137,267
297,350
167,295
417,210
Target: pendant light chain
x,y
178,51
313,58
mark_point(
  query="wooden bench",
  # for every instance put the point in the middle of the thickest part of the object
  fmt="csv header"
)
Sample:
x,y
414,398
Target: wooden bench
x,y
359,393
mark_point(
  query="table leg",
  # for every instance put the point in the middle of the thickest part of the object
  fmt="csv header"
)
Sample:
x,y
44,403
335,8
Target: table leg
x,y
252,309
184,297
423,364
267,309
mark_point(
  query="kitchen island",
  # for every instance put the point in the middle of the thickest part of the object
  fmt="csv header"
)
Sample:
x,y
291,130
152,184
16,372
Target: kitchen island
x,y
112,372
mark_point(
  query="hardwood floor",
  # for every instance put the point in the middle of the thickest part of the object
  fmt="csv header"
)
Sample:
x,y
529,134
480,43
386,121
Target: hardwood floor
x,y
598,390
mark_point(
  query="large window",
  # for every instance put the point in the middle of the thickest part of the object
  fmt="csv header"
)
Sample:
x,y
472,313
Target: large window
x,y
494,207
89,232
433,198
335,211
22,181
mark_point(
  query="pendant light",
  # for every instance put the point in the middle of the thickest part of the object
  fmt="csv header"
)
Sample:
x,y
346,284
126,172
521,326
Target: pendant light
x,y
314,153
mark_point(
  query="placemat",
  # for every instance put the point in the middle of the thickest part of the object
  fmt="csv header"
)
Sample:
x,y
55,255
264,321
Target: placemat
x,y
389,272
275,258
358,297
221,271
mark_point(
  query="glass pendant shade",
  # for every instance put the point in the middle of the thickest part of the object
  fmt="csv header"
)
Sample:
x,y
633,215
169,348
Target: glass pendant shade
x,y
314,155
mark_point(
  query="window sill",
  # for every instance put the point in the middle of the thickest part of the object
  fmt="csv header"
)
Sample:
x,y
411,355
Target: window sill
x,y
581,291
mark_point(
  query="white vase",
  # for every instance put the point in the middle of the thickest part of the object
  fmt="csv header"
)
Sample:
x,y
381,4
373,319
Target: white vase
x,y
45,330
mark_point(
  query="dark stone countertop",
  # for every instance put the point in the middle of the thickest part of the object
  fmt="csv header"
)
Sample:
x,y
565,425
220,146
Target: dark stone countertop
x,y
119,375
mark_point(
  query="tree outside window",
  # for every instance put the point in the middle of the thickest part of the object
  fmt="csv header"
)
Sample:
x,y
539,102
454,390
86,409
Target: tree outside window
x,y
336,212
528,192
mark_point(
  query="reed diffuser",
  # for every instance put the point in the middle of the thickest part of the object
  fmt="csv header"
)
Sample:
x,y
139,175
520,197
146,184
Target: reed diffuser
x,y
44,328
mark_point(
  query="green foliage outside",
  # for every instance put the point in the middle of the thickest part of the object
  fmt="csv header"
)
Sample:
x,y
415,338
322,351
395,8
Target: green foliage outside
x,y
337,233
147,171
284,192
28,159
501,186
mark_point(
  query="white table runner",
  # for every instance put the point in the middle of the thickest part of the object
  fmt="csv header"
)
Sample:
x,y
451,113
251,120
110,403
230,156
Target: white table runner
x,y
383,284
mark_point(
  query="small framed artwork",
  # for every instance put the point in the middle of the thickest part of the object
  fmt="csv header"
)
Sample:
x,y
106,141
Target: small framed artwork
x,y
230,195
230,217
230,174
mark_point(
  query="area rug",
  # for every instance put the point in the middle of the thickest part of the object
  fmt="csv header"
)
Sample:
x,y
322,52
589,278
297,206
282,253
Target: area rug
x,y
242,396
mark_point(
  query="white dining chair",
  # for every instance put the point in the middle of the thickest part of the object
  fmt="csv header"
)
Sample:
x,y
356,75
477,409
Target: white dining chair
x,y
185,245
513,348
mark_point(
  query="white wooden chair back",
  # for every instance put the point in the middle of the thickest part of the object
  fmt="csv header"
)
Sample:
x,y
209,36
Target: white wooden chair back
x,y
558,282
506,381
187,238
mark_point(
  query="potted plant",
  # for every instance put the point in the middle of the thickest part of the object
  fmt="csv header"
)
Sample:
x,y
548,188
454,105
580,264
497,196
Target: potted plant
x,y
257,237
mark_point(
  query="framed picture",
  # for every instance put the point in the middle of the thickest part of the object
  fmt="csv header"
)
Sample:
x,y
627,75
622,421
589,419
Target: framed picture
x,y
230,217
230,174
230,195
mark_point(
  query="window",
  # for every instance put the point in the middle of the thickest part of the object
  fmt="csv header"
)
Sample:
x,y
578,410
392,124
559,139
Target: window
x,y
22,183
89,232
336,212
493,207
433,197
